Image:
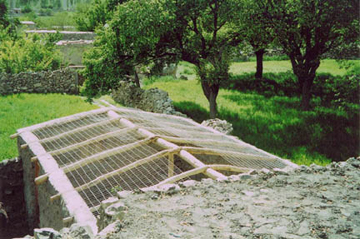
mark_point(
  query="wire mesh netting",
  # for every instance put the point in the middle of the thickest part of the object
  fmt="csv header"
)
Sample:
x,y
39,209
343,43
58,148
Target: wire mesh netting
x,y
101,154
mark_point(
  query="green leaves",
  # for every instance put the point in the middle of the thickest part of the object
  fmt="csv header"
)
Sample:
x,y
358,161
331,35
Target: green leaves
x,y
33,54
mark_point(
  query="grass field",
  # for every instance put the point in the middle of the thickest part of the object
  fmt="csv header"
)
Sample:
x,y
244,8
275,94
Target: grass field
x,y
275,124
326,66
18,111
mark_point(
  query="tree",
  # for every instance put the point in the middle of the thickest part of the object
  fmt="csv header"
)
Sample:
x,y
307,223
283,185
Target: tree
x,y
91,16
307,29
129,39
256,31
204,35
4,21
200,32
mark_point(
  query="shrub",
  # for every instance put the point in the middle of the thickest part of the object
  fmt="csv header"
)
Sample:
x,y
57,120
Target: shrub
x,y
29,54
26,9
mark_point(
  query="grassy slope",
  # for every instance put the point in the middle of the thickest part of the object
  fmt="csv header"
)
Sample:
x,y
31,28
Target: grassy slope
x,y
18,111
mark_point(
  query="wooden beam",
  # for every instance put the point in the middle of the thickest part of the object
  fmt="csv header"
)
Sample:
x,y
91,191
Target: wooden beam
x,y
178,177
126,168
77,130
63,120
194,141
55,197
68,220
92,140
226,167
34,159
13,136
24,146
182,153
107,153
219,152
41,179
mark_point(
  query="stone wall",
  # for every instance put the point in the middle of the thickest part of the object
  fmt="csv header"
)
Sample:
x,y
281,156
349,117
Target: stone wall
x,y
59,81
152,100
66,35
73,50
12,208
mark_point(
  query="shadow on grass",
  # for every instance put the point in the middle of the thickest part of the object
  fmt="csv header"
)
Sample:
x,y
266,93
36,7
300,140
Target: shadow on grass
x,y
192,110
322,133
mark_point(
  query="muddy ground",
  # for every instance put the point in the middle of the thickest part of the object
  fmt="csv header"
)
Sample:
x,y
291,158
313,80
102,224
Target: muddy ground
x,y
310,202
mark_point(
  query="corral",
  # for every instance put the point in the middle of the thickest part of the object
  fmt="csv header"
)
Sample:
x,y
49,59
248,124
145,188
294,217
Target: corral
x,y
73,163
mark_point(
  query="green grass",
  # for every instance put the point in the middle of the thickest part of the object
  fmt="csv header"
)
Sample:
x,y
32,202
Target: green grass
x,y
274,124
326,66
18,111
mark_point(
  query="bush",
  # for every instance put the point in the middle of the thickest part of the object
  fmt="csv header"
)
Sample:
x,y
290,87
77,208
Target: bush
x,y
29,54
26,9
45,12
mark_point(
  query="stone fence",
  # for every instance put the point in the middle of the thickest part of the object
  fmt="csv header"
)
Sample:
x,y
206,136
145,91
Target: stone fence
x,y
59,81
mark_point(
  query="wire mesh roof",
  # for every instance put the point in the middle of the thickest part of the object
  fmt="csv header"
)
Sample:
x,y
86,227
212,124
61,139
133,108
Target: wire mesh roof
x,y
112,149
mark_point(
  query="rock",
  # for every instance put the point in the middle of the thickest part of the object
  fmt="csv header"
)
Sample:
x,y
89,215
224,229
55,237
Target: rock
x,y
78,231
279,171
124,194
245,176
220,125
188,183
46,233
108,202
110,229
169,188
116,210
234,178
152,100
182,77
248,193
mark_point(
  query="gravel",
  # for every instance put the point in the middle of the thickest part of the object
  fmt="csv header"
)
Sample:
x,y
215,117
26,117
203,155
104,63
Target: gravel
x,y
309,202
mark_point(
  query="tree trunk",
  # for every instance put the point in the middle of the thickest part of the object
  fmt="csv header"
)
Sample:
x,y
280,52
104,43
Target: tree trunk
x,y
306,93
211,92
137,80
259,63
213,105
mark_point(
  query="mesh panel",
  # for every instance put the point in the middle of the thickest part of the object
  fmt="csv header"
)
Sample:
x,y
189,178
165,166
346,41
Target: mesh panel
x,y
101,154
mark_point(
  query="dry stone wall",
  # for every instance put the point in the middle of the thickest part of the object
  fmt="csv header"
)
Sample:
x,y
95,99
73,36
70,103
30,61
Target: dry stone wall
x,y
59,81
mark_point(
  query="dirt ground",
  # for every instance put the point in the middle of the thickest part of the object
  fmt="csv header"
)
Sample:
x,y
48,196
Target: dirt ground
x,y
310,202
